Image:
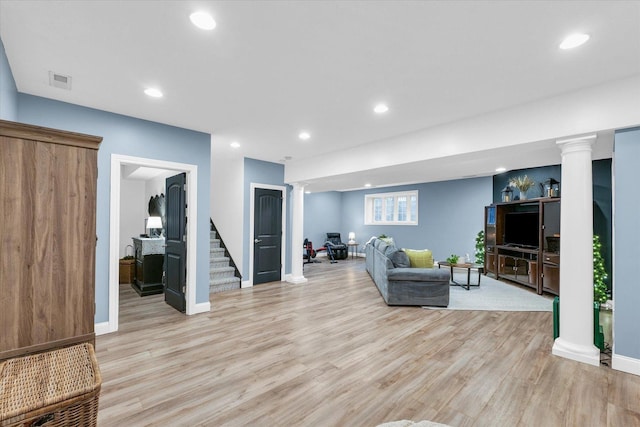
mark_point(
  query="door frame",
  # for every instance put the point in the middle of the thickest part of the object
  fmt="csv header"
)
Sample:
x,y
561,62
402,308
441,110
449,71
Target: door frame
x,y
117,161
283,244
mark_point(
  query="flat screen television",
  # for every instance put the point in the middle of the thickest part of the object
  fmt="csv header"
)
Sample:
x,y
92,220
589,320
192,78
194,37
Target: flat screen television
x,y
521,229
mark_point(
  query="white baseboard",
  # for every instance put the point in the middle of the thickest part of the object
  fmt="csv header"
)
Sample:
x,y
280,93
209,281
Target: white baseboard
x,y
246,284
202,307
295,280
625,364
102,328
323,254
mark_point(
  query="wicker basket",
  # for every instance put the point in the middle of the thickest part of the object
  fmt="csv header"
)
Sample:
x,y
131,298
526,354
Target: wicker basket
x,y
126,271
55,388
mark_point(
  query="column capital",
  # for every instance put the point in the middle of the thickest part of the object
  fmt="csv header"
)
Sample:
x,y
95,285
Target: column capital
x,y
298,185
578,143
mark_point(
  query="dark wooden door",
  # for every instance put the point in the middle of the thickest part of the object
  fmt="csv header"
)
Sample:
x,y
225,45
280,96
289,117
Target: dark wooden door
x,y
176,249
267,236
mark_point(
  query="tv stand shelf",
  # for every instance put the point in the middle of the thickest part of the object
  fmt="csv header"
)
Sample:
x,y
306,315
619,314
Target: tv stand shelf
x,y
518,265
522,241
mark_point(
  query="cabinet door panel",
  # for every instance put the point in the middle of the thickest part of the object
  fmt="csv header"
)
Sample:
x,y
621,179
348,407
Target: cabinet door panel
x,y
551,278
48,237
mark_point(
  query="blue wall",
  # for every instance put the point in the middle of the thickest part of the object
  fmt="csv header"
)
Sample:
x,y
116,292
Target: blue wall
x,y
627,235
8,90
323,214
450,214
129,136
539,175
261,172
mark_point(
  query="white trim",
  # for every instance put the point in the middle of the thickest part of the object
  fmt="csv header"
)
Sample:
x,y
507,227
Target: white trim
x,y
625,364
252,191
296,281
201,307
369,217
117,160
580,353
246,284
101,328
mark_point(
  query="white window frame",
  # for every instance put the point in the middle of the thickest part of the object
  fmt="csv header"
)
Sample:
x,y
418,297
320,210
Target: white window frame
x,y
369,218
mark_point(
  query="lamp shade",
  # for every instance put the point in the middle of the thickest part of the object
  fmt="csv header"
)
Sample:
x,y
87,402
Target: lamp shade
x,y
154,222
352,236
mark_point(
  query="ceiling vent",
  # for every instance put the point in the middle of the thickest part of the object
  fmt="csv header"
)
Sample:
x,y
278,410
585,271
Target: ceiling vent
x,y
59,80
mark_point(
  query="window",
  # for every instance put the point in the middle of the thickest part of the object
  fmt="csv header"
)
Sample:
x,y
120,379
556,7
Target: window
x,y
391,208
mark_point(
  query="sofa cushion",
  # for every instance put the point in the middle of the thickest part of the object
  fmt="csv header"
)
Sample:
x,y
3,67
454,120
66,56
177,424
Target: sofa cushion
x,y
418,275
419,258
382,247
399,259
389,250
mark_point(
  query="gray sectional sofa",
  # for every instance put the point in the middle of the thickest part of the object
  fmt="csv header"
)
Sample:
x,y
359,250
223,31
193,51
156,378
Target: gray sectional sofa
x,y
400,284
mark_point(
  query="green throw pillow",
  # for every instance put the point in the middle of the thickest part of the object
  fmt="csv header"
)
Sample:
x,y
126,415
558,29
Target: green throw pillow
x,y
419,258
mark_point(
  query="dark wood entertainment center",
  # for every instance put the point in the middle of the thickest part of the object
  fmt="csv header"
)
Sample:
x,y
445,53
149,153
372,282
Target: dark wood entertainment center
x,y
517,249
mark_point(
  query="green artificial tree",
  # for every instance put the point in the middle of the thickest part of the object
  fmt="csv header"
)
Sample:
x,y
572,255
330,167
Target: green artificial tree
x,y
599,273
480,247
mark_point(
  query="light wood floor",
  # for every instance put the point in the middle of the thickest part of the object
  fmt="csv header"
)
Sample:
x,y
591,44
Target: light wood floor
x,y
330,353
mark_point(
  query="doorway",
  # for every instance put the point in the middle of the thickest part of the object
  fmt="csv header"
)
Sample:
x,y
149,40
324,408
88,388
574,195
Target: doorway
x,y
267,236
117,162
252,228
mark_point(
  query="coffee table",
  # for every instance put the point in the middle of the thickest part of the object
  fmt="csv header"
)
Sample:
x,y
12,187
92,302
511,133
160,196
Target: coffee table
x,y
469,266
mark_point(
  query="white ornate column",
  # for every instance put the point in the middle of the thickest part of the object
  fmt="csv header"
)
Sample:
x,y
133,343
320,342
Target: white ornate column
x,y
297,231
576,253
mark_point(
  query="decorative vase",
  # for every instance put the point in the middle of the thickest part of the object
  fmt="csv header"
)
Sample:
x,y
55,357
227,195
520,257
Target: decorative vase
x,y
523,195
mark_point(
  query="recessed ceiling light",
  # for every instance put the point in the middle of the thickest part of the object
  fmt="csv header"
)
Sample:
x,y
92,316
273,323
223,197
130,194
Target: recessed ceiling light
x,y
235,144
304,135
153,92
574,40
307,192
367,185
381,108
203,20
501,169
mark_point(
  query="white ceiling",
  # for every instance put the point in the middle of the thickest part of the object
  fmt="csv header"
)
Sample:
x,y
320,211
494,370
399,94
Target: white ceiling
x,y
272,68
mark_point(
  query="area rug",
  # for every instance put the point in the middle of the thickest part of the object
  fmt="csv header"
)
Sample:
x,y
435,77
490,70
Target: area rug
x,y
407,423
495,295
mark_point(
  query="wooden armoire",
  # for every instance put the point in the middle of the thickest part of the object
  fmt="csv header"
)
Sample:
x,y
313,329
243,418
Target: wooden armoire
x,y
48,184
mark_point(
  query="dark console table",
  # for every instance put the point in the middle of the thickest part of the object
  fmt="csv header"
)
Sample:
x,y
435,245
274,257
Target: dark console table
x,y
149,254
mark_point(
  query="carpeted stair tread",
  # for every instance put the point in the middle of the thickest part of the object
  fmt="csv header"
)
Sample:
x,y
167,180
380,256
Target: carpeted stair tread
x,y
223,280
221,275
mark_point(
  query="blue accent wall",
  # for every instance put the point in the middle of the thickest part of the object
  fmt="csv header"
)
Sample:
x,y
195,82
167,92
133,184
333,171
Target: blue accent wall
x,y
626,296
261,172
8,90
539,175
133,137
323,214
450,214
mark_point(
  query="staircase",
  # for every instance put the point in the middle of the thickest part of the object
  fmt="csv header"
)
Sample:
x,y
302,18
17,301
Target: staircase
x,y
222,275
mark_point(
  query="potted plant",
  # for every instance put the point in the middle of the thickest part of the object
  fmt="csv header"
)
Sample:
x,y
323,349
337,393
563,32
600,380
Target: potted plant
x,y
479,252
599,273
453,259
522,183
602,332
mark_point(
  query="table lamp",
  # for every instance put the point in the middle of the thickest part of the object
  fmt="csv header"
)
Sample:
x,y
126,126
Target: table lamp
x,y
352,237
153,224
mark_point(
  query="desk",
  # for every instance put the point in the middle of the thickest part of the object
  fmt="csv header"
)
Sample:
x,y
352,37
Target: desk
x,y
469,266
353,245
